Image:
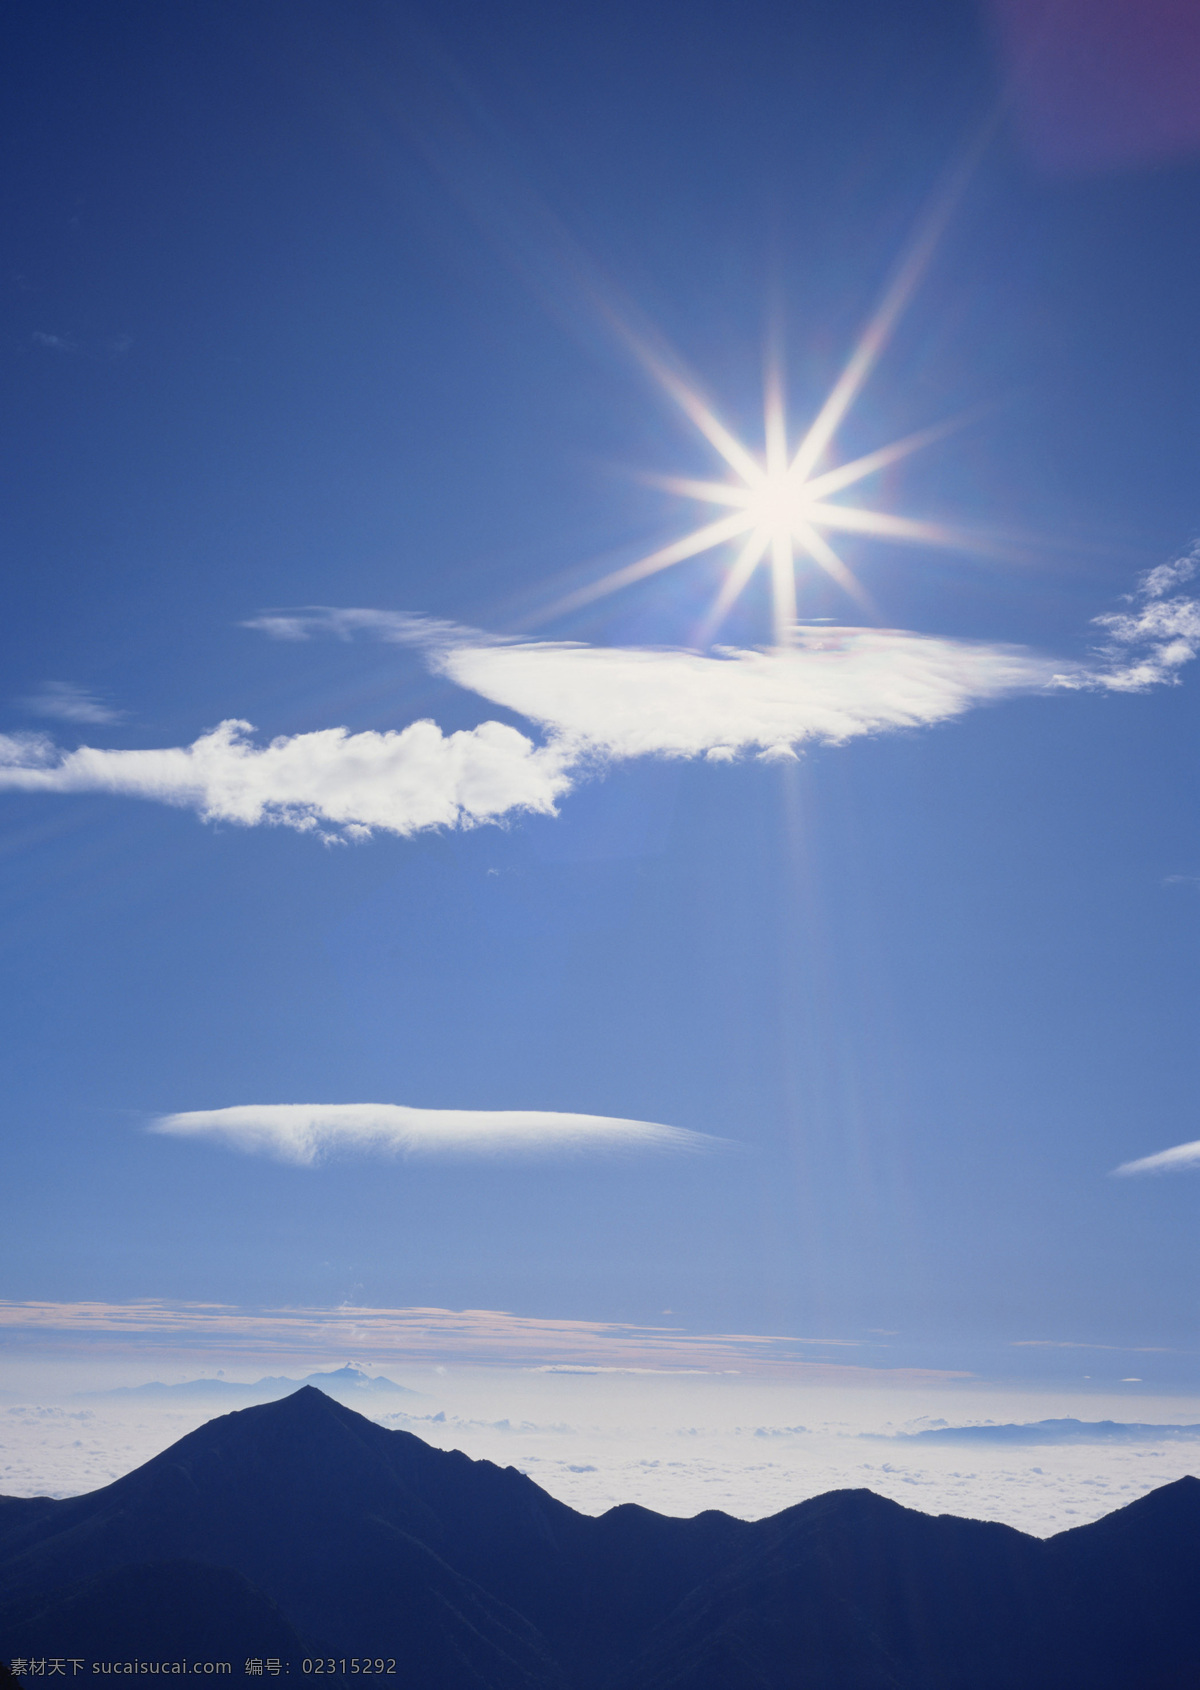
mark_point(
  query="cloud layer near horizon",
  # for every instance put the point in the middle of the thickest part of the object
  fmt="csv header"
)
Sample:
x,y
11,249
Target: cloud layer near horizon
x,y
306,1133
462,1337
595,706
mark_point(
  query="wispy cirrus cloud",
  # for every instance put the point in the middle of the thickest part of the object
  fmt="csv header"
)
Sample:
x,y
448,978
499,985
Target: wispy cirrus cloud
x,y
115,346
64,701
464,1337
829,685
1178,1159
55,342
308,1133
1086,1344
397,627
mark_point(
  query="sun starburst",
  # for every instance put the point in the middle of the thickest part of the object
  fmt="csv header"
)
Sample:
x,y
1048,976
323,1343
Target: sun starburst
x,y
780,504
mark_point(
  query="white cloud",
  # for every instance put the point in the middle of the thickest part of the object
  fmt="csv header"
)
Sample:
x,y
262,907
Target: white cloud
x,y
831,685
674,1439
1172,1161
1156,583
400,781
306,1132
1148,645
594,705
397,627
66,702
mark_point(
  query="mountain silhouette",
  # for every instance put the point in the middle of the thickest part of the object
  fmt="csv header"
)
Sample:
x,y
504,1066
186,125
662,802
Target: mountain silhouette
x,y
300,1529
1036,1432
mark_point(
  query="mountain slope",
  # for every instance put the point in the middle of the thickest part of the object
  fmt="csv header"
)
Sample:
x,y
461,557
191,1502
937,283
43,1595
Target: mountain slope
x,y
360,1541
167,1609
316,1507
852,1588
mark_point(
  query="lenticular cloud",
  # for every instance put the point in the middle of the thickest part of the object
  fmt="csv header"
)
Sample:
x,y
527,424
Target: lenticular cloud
x,y
830,686
1173,1161
308,1132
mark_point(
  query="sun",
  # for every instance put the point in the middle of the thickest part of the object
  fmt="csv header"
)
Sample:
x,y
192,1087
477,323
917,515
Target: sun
x,y
780,503
781,511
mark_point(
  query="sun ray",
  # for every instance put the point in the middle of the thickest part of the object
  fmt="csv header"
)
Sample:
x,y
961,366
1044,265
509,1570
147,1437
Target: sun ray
x,y
885,526
775,426
735,583
783,583
778,513
691,545
822,553
834,480
711,427
712,492
858,367
876,335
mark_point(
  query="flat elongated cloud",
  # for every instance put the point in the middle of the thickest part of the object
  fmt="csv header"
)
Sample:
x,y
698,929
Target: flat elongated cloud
x,y
307,1132
463,1337
1174,1161
831,686
67,702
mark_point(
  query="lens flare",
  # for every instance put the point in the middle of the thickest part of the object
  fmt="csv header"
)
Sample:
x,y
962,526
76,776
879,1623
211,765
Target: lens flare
x,y
779,502
778,508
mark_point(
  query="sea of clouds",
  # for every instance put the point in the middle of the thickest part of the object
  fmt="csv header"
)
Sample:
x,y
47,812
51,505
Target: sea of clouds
x,y
677,1444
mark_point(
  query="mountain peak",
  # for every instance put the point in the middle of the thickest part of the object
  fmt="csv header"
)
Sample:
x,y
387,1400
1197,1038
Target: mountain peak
x,y
304,1515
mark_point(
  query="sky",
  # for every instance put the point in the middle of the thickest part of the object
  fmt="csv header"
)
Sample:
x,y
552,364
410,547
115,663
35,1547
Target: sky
x,y
414,900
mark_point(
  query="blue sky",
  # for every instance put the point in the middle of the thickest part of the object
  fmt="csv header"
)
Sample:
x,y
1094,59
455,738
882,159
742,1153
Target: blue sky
x,y
317,306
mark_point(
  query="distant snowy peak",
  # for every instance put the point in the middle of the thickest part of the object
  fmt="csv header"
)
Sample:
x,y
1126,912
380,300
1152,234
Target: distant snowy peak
x,y
348,1381
349,1378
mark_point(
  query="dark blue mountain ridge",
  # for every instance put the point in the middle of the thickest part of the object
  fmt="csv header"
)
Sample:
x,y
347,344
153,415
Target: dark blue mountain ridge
x,y
303,1521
